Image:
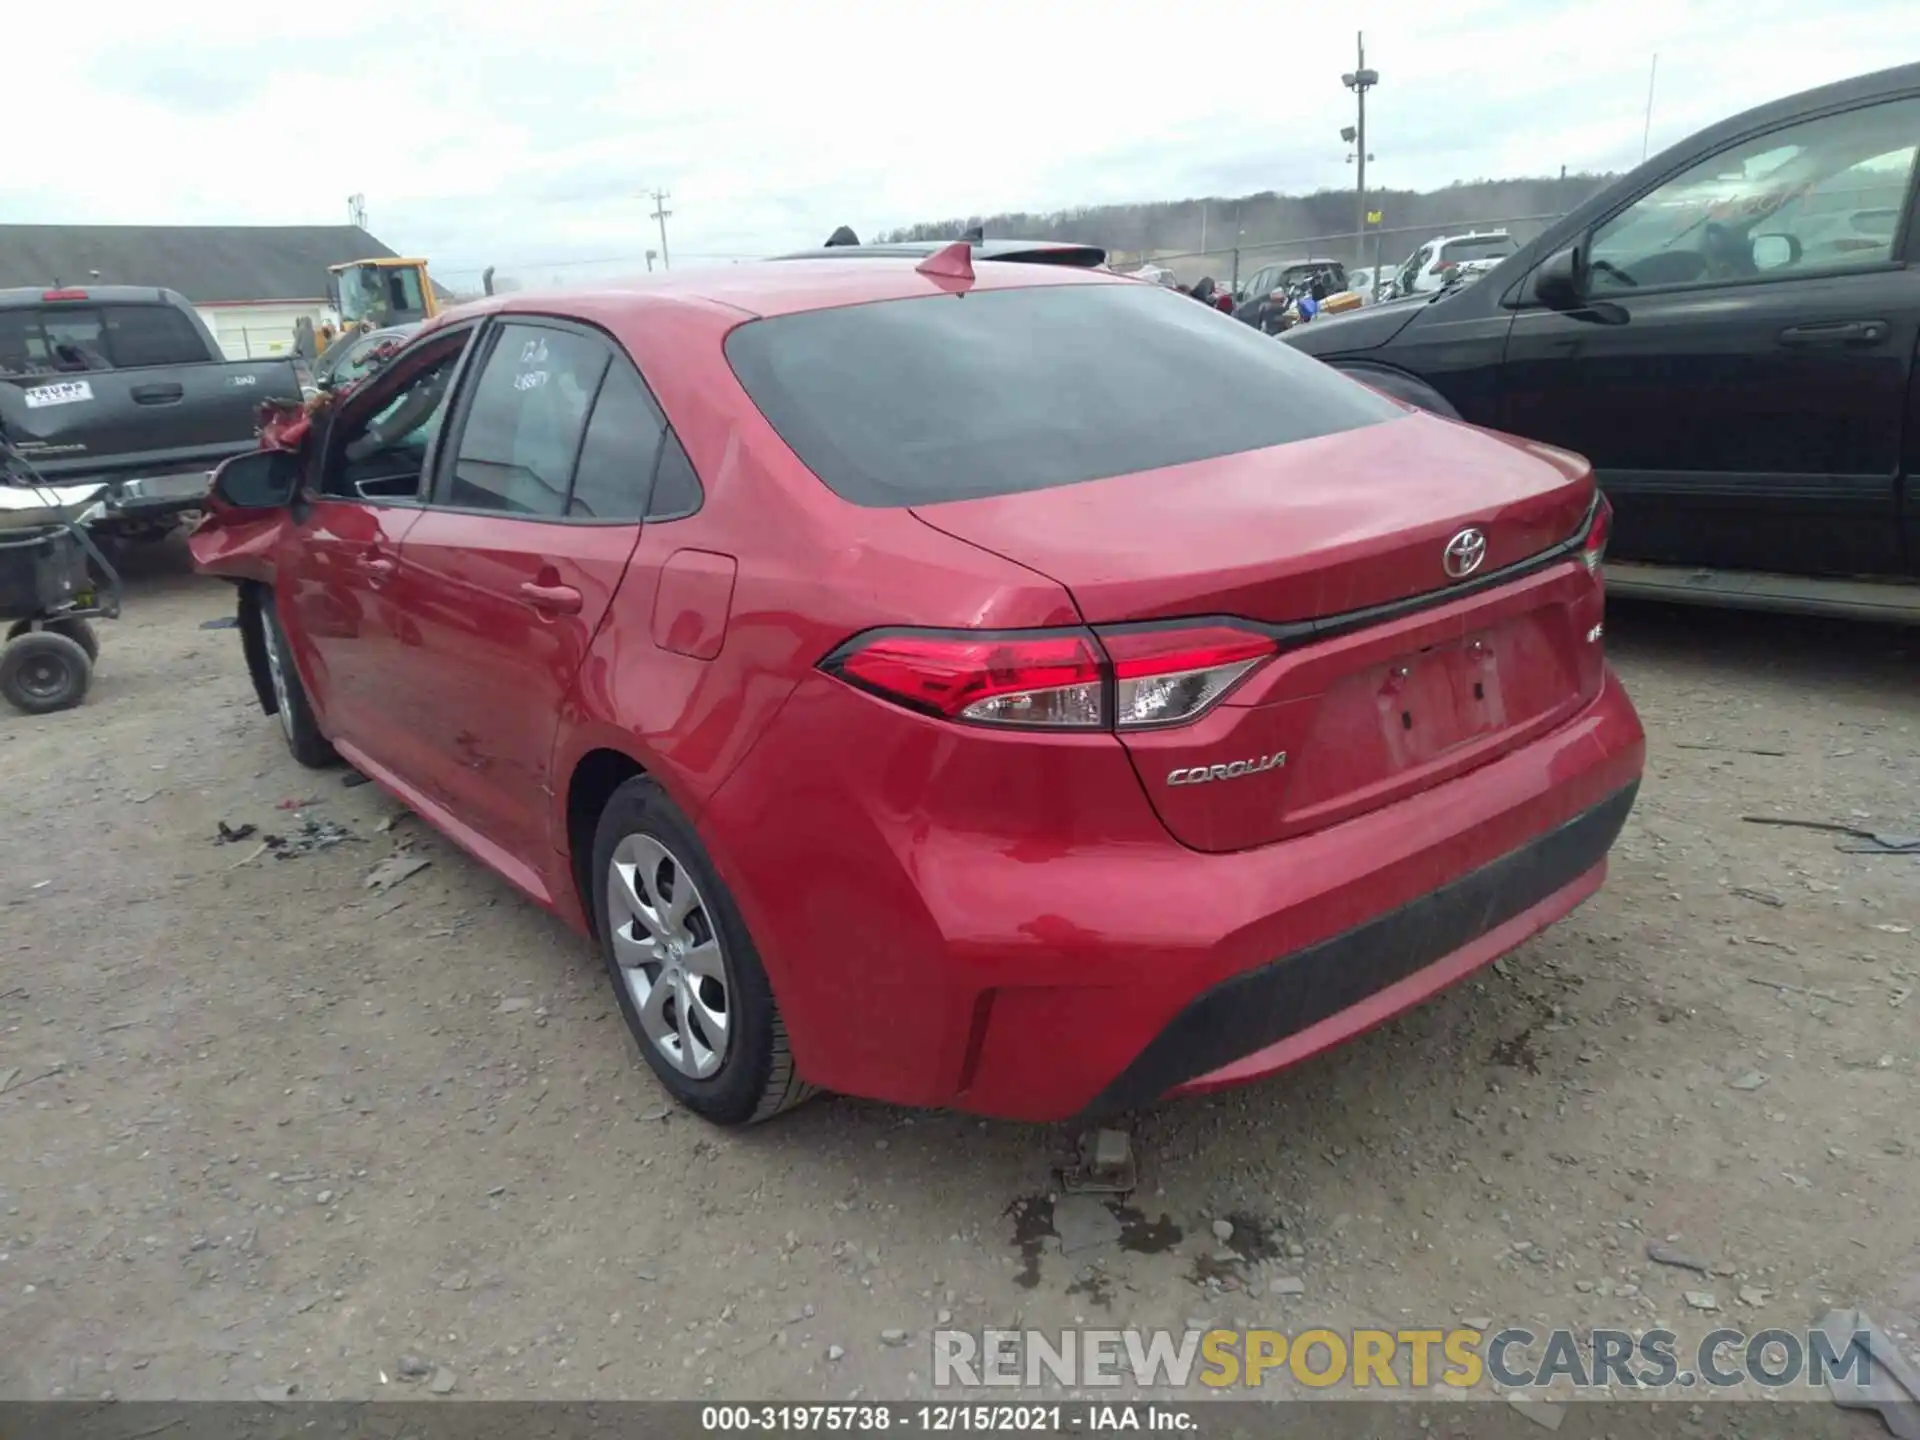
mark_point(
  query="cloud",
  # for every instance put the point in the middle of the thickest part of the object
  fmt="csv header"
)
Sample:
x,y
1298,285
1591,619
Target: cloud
x,y
523,136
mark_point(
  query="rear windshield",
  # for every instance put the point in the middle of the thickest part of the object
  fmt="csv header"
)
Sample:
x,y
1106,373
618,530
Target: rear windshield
x,y
950,397
1478,248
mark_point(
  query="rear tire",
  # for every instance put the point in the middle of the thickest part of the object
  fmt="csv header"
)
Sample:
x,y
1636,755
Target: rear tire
x,y
297,724
74,627
684,970
43,671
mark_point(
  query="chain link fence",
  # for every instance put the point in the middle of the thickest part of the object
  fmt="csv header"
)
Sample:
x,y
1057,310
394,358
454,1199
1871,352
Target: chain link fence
x,y
1386,247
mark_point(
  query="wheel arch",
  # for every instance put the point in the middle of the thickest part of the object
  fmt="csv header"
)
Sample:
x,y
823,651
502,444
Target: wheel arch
x,y
594,777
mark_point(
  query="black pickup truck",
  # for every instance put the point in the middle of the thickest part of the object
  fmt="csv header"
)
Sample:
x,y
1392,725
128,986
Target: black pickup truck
x,y
125,385
1728,333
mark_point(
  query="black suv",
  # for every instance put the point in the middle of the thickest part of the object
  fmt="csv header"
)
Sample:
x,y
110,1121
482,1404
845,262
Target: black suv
x,y
1728,334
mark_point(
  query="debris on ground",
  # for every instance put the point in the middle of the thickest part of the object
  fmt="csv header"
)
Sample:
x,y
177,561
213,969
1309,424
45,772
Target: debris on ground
x,y
1702,1300
1858,841
351,779
1288,1285
412,1367
514,1004
1891,1386
230,833
297,802
1105,1165
394,869
1666,1255
313,835
443,1381
224,622
1543,1413
1084,1223
1760,897
268,1394
1752,1080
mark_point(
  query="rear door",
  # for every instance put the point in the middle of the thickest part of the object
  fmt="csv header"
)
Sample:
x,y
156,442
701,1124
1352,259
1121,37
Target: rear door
x,y
536,509
1741,382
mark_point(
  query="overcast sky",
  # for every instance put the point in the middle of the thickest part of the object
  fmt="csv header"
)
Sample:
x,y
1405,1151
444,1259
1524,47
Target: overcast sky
x,y
523,134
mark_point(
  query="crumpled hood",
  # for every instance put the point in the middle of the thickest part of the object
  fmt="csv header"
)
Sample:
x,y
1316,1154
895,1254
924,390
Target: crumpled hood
x,y
1367,328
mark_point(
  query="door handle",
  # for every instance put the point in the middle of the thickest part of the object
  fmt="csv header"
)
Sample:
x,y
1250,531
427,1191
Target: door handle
x,y
552,599
379,567
158,394
1836,332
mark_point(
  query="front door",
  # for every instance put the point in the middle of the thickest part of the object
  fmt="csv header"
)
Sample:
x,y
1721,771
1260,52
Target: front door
x,y
337,580
1740,380
536,508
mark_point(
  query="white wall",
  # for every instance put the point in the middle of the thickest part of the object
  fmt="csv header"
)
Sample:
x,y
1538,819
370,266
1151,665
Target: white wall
x,y
259,332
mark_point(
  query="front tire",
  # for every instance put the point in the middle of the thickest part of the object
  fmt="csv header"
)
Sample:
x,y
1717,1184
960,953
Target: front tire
x,y
684,970
297,724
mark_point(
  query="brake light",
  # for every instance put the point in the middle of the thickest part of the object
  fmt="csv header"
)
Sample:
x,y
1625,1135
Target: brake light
x,y
1593,545
1043,679
1055,679
63,295
1171,676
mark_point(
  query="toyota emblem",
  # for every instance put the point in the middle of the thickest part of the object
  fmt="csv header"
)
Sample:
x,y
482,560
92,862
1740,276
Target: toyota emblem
x,y
1464,552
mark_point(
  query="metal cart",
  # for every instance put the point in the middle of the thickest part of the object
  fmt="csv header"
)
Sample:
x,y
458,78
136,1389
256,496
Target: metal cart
x,y
53,583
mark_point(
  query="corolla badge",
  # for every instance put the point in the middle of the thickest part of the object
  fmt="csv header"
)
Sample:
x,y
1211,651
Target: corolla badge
x,y
1237,770
1464,552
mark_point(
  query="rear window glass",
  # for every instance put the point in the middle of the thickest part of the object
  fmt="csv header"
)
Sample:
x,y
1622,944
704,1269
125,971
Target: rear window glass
x,y
949,397
1478,248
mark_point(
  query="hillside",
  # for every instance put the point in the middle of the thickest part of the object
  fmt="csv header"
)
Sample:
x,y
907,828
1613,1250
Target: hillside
x,y
1269,221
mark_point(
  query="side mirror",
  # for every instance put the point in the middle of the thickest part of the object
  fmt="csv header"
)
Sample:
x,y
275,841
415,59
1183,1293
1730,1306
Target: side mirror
x,y
1560,282
1771,252
259,480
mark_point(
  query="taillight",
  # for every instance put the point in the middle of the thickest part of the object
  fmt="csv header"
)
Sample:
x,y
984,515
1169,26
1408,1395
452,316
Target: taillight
x,y
1044,679
1055,679
1167,677
63,295
1593,545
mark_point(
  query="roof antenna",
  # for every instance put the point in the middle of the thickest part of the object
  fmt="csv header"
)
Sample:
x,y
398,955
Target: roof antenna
x,y
976,236
843,236
952,262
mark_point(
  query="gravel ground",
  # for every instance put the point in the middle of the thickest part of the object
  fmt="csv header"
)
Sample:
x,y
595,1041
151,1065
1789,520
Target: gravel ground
x,y
263,1127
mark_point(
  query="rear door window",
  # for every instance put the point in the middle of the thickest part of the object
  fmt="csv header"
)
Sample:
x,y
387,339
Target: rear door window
x,y
139,335
949,397
617,458
524,422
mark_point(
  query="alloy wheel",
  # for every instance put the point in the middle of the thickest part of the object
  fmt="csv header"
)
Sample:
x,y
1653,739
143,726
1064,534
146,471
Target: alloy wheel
x,y
670,956
283,705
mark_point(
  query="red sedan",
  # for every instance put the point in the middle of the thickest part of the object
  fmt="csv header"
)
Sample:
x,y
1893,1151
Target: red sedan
x,y
975,684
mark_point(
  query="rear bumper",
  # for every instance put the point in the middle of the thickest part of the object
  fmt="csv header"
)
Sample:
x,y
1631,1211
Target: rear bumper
x,y
943,928
1265,1019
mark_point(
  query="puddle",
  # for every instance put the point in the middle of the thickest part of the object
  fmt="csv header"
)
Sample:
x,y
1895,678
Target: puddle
x,y
1254,1239
1142,1236
1032,1227
1096,1286
1518,1053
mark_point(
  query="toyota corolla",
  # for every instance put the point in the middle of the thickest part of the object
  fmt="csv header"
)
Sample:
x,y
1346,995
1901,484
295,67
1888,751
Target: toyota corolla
x,y
960,683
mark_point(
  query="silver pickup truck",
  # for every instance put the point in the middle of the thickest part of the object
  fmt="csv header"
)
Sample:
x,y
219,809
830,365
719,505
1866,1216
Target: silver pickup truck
x,y
123,388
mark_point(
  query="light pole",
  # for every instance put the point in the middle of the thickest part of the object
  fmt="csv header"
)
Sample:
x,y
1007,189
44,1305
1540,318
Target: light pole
x,y
1360,80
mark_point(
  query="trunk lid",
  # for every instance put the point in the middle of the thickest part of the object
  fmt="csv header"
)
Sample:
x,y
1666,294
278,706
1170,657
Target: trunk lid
x,y
1316,529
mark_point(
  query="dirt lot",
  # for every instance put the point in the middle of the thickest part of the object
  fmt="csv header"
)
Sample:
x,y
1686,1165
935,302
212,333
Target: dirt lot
x,y
262,1127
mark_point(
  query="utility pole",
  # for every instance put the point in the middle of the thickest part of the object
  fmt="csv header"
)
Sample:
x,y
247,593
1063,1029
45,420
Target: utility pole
x,y
1360,80
357,211
660,213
